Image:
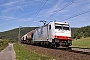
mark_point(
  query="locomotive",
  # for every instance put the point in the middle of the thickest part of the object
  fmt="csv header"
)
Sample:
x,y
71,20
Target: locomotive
x,y
53,34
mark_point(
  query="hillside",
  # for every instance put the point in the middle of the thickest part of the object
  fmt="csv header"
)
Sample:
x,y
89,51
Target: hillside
x,y
13,34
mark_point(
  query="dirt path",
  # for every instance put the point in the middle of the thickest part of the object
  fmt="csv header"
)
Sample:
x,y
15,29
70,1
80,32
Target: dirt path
x,y
8,53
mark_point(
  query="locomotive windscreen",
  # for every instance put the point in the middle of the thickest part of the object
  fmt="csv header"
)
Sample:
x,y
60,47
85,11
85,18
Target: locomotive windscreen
x,y
65,28
62,26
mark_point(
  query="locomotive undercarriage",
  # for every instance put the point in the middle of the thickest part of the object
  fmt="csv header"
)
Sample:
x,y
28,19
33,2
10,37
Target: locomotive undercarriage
x,y
64,43
55,43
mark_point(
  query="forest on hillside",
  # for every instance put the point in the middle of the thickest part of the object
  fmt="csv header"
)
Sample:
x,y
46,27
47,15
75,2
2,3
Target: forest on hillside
x,y
12,35
82,32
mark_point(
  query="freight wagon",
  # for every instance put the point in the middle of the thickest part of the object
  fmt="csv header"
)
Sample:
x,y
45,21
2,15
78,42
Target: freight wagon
x,y
28,38
23,39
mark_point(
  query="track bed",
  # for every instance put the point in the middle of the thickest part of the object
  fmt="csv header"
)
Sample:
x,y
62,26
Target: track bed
x,y
61,53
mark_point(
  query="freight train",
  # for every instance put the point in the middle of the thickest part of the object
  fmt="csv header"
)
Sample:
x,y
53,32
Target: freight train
x,y
53,34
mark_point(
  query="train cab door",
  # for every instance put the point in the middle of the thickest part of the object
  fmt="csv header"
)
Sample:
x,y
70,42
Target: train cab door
x,y
49,33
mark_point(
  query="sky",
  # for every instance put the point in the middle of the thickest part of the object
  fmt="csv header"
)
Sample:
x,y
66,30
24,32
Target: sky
x,y
27,13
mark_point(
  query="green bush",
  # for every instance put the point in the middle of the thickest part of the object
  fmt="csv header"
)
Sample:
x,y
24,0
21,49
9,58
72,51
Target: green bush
x,y
3,44
82,32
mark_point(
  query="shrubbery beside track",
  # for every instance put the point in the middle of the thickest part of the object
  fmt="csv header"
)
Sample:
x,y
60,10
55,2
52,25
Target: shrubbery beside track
x,y
3,44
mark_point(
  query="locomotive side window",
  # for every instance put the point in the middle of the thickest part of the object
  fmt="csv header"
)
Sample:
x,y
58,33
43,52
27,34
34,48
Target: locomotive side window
x,y
49,26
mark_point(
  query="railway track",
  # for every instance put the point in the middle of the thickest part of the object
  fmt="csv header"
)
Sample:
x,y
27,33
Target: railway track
x,y
74,53
72,49
81,49
76,50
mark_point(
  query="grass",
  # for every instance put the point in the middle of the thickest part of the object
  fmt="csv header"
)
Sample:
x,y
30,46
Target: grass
x,y
24,53
82,43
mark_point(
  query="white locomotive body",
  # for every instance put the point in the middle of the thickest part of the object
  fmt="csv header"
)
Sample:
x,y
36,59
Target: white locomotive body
x,y
53,34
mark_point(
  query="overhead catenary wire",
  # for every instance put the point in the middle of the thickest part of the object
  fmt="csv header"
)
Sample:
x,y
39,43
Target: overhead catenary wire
x,y
62,8
83,12
40,8
37,12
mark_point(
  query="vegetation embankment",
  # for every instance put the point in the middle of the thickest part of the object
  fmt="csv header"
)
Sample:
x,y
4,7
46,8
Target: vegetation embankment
x,y
24,53
82,32
82,43
81,38
3,44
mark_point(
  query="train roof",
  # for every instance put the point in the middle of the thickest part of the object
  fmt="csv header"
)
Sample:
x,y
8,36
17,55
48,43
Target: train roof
x,y
62,22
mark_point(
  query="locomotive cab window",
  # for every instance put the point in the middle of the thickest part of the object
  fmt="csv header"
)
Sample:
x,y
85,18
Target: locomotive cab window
x,y
58,27
65,28
62,26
